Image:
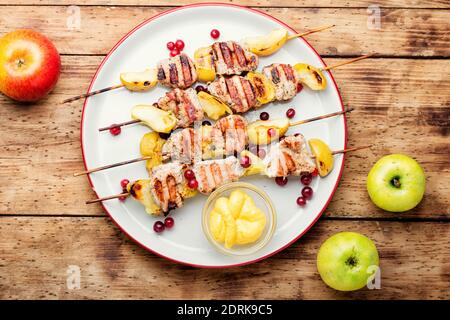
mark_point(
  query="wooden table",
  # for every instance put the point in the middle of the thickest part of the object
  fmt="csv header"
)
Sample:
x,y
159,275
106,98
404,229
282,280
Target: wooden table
x,y
402,101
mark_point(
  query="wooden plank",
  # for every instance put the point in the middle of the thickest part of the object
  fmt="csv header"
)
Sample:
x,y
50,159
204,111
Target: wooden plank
x,y
404,32
36,252
387,115
253,3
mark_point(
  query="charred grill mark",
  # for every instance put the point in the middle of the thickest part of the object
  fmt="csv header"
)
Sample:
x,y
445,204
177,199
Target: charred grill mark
x,y
234,94
161,73
186,67
259,87
159,190
240,55
189,108
288,72
226,53
275,75
173,73
172,188
216,173
249,94
318,77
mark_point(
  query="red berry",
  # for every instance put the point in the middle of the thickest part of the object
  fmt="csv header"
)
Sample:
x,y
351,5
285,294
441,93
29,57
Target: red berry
x,y
315,173
281,181
193,184
272,132
215,33
174,52
264,116
301,201
189,174
170,45
306,179
158,227
290,113
169,222
123,198
115,130
124,183
299,87
179,44
245,162
307,192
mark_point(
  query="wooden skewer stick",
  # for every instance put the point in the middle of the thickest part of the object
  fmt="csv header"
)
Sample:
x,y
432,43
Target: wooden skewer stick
x,y
126,123
325,116
352,149
348,62
148,157
93,93
126,194
298,35
109,166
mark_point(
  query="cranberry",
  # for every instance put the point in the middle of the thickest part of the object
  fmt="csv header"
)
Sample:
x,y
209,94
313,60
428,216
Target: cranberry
x,y
306,179
122,198
189,174
115,130
169,222
215,33
193,184
299,87
307,192
301,201
174,52
264,116
281,181
179,44
158,227
315,173
170,45
290,113
272,132
200,88
245,162
124,183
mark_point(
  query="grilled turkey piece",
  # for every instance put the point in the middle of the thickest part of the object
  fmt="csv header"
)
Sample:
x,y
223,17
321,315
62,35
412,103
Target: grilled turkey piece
x,y
284,79
230,58
236,91
184,104
177,72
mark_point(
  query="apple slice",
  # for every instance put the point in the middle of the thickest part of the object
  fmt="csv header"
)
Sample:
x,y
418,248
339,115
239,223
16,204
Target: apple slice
x,y
265,90
324,156
213,107
139,81
258,131
157,119
267,44
310,76
141,191
151,145
204,64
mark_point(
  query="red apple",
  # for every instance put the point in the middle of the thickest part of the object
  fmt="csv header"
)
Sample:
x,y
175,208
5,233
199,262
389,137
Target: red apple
x,y
29,65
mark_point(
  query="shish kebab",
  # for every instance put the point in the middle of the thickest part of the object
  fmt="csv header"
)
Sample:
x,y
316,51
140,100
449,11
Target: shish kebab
x,y
167,187
236,94
229,135
221,58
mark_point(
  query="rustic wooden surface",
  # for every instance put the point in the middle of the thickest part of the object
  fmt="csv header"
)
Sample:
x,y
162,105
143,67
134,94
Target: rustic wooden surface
x,y
402,101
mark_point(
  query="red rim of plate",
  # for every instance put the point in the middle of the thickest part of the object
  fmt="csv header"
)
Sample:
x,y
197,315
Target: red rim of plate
x,y
214,4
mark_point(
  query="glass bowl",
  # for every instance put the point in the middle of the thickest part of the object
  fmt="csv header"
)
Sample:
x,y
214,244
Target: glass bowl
x,y
262,201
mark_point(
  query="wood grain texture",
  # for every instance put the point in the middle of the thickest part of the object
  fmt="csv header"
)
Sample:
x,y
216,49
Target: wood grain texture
x,y
35,254
253,3
40,143
404,32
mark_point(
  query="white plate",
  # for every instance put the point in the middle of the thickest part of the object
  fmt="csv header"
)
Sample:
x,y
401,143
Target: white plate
x,y
143,47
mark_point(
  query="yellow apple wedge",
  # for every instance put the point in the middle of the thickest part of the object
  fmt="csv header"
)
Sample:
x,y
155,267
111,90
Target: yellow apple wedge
x,y
267,44
139,81
324,156
311,76
157,119
258,131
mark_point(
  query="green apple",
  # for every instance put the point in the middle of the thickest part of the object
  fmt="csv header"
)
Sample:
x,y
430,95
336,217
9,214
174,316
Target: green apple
x,y
345,261
396,183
